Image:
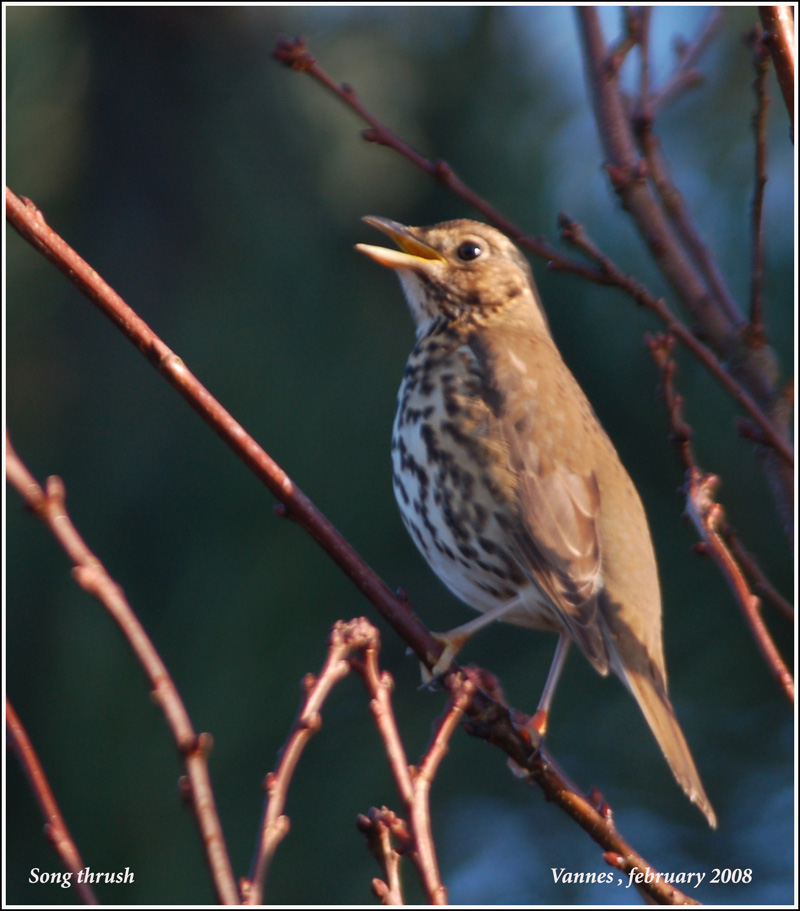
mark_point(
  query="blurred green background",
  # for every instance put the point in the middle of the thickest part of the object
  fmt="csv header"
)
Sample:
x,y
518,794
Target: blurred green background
x,y
220,194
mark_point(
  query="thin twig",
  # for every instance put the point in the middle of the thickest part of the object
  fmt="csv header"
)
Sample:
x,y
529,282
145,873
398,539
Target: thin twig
x,y
619,50
56,829
761,584
573,232
384,830
685,76
30,223
757,370
627,177
756,334
642,119
295,54
91,575
345,637
708,518
412,785
779,28
489,719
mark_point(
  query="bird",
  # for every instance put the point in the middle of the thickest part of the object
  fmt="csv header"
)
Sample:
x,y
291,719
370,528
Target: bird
x,y
507,482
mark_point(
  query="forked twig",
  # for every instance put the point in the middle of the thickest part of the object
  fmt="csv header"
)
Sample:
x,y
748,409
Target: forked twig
x,y
294,53
574,233
414,783
91,575
708,518
388,839
489,718
345,637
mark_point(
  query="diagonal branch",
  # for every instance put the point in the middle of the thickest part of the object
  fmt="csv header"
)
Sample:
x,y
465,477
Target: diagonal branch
x,y
685,76
708,518
574,233
489,719
55,828
642,119
91,575
414,785
779,26
754,365
295,54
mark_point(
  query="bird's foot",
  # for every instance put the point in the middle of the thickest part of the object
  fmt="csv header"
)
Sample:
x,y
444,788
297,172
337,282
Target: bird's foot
x,y
453,643
537,723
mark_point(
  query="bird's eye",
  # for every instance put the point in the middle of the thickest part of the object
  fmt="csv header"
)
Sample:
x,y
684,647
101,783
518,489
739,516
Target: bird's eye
x,y
468,251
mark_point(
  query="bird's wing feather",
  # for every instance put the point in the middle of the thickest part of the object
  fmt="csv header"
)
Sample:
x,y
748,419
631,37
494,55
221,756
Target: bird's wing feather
x,y
554,529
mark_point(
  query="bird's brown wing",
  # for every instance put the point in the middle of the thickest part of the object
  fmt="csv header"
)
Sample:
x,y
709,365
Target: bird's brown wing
x,y
559,544
554,505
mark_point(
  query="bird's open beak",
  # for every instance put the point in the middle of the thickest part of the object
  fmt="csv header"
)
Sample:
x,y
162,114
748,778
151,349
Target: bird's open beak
x,y
413,253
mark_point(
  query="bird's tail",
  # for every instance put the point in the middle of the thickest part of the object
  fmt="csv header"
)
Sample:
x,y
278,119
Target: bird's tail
x,y
658,711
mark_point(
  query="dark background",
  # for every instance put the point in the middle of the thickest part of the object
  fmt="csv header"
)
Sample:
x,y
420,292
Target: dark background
x,y
220,194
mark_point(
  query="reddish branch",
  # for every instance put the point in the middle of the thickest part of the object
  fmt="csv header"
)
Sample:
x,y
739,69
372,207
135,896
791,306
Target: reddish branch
x,y
778,22
91,575
724,326
295,54
629,179
489,719
30,223
388,839
685,75
756,332
761,583
574,233
642,120
414,783
55,828
275,825
708,518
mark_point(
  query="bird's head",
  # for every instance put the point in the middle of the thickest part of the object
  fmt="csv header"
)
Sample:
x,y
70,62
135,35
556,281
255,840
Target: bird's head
x,y
457,270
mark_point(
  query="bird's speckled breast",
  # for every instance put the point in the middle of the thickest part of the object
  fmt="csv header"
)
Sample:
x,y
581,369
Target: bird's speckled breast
x,y
446,478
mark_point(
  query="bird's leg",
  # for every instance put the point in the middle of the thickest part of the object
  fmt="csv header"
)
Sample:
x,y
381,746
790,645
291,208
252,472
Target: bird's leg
x,y
453,640
538,721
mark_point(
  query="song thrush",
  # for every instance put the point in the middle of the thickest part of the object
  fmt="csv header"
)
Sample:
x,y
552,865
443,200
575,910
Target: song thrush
x,y
506,480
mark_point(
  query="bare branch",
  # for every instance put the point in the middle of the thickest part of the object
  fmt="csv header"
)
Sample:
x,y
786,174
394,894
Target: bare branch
x,y
778,22
489,719
91,575
761,583
382,829
756,333
295,54
642,119
629,180
720,324
685,76
345,637
30,223
413,785
55,827
573,232
708,518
